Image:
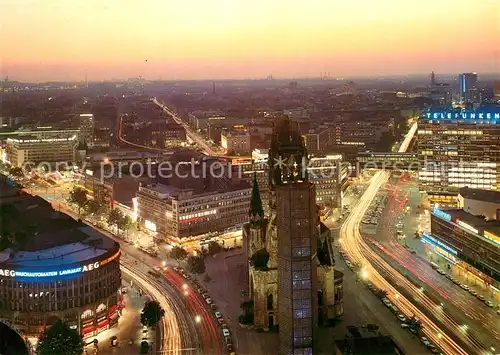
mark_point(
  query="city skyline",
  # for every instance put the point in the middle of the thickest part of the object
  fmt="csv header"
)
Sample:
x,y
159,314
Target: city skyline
x,y
223,40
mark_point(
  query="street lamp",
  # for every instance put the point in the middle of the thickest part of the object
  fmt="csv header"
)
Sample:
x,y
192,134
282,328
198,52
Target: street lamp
x,y
197,319
184,286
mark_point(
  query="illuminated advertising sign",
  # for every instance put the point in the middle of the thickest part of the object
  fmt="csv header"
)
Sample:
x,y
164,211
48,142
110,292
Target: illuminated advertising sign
x,y
466,226
493,237
38,274
438,213
426,238
463,115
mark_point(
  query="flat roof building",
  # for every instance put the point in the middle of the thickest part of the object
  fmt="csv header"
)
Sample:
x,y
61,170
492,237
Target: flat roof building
x,y
468,241
59,269
458,148
32,150
184,214
480,202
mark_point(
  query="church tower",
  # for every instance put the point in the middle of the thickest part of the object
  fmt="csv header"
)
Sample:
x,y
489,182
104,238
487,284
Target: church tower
x,y
256,230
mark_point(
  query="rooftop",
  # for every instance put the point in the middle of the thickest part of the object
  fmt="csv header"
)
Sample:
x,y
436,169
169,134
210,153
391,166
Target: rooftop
x,y
92,244
480,195
474,221
42,235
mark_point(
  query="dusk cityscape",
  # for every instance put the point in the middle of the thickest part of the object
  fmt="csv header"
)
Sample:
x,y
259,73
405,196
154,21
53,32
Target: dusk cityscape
x,y
250,177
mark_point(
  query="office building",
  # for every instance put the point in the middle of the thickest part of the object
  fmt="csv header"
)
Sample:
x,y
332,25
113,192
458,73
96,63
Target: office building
x,y
86,134
458,148
469,244
109,186
184,214
167,134
469,92
64,270
327,172
24,150
236,142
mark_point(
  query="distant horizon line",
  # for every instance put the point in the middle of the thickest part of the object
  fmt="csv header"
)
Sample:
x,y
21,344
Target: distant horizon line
x,y
268,78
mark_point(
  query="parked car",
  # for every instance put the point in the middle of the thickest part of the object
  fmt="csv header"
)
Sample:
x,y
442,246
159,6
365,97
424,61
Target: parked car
x,y
425,341
405,325
402,317
489,304
465,287
225,332
208,300
433,349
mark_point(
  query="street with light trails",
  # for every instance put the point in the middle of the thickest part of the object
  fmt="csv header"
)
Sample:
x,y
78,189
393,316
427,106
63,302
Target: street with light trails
x,y
450,336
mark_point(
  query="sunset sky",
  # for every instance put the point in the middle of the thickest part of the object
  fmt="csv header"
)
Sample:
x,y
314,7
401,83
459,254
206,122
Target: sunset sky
x,y
204,39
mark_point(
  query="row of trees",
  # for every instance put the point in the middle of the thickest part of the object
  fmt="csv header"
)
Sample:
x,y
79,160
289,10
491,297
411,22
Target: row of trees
x,y
60,339
95,207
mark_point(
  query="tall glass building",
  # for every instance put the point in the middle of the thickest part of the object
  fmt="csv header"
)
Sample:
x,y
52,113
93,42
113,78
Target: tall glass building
x,y
458,148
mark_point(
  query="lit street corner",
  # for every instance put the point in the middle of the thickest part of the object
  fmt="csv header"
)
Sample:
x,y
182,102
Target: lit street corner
x,y
129,333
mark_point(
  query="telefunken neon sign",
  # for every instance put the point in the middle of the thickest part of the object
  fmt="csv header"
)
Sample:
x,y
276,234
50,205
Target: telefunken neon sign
x,y
76,270
463,115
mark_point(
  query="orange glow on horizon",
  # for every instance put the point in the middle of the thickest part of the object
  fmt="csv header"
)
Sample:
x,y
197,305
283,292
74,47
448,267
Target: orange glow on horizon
x,y
194,39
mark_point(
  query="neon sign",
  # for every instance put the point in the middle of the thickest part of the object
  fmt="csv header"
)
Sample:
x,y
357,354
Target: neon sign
x,y
492,237
462,115
466,226
438,213
426,238
37,274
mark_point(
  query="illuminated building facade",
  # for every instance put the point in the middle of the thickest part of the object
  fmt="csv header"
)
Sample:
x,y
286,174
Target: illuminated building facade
x,y
64,271
31,149
457,149
86,135
327,172
236,142
181,215
467,242
468,88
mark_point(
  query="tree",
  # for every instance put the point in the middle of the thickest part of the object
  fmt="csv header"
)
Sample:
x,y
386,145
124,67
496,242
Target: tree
x,y
260,258
196,264
125,224
214,248
114,218
79,196
178,253
144,347
94,207
151,314
60,339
